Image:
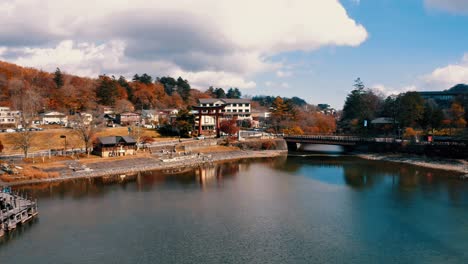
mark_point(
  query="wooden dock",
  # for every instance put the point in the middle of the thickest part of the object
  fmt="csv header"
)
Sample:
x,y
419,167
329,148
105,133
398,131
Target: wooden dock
x,y
15,210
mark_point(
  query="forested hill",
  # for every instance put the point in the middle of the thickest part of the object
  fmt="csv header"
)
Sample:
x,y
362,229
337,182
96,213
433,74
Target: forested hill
x,y
62,91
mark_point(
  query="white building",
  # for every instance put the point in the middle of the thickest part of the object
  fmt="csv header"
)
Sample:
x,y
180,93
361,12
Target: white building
x,y
79,118
9,118
54,118
238,108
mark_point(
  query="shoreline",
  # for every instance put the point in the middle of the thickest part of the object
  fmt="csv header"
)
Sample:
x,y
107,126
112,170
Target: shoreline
x,y
195,161
455,165
154,164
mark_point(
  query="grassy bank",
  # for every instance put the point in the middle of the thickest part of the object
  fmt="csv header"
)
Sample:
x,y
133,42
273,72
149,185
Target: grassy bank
x,y
50,138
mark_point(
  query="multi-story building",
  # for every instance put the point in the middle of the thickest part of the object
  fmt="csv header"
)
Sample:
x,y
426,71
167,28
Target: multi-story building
x,y
233,108
446,98
9,118
128,119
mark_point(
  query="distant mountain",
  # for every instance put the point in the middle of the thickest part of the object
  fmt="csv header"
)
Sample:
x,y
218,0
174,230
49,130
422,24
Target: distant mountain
x,y
459,88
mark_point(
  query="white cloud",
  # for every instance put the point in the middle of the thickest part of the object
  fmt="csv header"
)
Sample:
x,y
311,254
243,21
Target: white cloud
x,y
450,75
283,74
216,79
84,58
388,90
454,6
229,41
282,85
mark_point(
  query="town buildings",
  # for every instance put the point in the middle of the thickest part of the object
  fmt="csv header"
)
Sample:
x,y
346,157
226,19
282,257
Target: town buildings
x,y
239,109
9,118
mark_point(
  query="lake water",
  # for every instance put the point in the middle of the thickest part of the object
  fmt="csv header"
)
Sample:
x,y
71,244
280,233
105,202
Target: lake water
x,y
313,209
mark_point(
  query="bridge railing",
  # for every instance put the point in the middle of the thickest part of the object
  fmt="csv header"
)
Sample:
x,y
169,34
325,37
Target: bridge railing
x,y
366,139
333,138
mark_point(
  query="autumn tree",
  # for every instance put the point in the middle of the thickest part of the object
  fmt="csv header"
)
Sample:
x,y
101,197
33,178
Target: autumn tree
x,y
229,126
124,84
314,122
457,115
147,96
283,114
123,105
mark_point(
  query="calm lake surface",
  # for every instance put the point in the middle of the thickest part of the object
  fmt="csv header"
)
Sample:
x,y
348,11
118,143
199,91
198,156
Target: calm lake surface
x,y
313,209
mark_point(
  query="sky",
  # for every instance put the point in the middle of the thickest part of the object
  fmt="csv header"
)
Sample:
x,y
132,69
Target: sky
x,y
313,49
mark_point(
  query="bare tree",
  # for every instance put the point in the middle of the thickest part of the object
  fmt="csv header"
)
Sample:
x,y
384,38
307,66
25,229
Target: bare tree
x,y
136,132
28,102
86,126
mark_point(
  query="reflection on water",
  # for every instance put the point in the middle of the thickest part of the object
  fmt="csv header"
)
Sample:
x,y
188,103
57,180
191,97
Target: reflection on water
x,y
315,209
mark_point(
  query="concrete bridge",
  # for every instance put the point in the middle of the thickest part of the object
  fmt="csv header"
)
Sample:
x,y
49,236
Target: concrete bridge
x,y
445,148
295,141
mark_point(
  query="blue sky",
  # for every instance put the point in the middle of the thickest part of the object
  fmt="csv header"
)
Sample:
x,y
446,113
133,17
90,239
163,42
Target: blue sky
x,y
407,41
313,49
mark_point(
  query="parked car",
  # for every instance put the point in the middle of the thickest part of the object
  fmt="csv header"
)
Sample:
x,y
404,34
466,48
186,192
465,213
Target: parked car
x,y
10,130
201,137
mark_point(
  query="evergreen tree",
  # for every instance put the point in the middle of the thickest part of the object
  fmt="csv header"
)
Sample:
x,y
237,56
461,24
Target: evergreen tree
x,y
146,79
233,93
183,88
410,109
220,93
58,78
123,82
432,116
169,84
185,121
106,91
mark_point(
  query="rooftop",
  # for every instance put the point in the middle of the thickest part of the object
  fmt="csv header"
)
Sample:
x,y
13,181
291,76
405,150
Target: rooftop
x,y
224,100
113,140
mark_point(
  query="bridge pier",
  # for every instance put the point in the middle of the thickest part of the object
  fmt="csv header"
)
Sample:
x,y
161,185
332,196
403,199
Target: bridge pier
x,y
292,146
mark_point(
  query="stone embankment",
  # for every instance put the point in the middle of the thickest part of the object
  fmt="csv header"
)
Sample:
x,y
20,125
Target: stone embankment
x,y
135,165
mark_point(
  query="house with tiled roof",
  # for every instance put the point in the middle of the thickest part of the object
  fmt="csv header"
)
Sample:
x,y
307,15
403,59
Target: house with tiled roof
x,y
114,146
